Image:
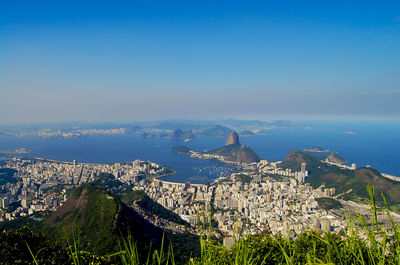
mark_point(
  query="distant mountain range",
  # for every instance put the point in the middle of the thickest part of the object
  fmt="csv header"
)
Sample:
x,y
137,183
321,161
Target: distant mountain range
x,y
216,131
151,129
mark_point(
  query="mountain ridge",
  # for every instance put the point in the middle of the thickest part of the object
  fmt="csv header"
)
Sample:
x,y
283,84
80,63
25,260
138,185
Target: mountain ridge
x,y
345,180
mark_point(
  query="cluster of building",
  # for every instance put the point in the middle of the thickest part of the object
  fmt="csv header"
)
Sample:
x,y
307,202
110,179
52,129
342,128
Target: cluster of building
x,y
261,204
249,202
42,184
49,133
205,156
265,204
272,168
185,199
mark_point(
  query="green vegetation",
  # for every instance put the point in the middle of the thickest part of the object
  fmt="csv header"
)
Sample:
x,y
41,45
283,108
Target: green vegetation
x,y
124,192
33,221
98,220
151,207
245,179
181,149
14,248
88,209
7,176
328,203
26,247
109,183
236,152
276,177
351,183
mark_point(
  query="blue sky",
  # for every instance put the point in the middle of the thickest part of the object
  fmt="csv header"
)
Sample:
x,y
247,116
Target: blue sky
x,y
141,60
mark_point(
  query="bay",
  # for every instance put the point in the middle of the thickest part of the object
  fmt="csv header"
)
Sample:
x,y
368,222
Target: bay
x,y
370,143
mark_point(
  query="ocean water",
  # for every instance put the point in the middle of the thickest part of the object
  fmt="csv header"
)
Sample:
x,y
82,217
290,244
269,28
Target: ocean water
x,y
373,143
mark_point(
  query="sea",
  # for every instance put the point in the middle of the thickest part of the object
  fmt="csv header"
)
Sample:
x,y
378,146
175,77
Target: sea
x,y
372,143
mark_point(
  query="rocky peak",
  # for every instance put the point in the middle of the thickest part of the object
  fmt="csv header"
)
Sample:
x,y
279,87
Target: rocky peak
x,y
233,138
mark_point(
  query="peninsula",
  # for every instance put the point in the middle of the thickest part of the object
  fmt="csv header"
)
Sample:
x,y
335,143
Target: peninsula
x,y
232,152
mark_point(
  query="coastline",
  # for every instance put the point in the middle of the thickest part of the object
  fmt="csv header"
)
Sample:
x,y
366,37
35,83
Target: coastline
x,y
391,177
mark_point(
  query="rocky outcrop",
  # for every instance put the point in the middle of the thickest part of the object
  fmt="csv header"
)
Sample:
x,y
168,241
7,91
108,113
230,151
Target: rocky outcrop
x,y
246,155
335,158
179,134
233,138
235,152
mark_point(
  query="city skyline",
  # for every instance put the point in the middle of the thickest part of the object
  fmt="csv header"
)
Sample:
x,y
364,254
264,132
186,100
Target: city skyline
x,y
133,61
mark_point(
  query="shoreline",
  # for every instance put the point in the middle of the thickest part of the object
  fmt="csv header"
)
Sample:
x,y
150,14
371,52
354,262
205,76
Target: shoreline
x,y
163,175
391,177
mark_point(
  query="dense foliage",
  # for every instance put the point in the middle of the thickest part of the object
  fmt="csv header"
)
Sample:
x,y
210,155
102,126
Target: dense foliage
x,y
151,207
7,176
181,149
328,203
245,179
377,247
16,247
351,183
236,152
109,183
88,216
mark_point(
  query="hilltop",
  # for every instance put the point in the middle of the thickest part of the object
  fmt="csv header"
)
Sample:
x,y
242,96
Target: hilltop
x,y
98,221
233,138
236,153
136,198
98,218
350,182
216,131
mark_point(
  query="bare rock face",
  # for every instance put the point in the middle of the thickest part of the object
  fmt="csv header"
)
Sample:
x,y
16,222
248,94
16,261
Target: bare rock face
x,y
233,138
246,155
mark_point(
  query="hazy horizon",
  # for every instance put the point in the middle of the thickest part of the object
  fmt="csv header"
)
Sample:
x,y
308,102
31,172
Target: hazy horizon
x,y
139,61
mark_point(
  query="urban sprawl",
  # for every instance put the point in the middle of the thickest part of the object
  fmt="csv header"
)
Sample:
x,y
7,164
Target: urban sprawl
x,y
260,198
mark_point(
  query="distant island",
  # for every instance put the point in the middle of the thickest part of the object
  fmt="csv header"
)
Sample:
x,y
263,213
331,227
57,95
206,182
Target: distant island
x,y
349,132
232,152
316,150
181,149
176,134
